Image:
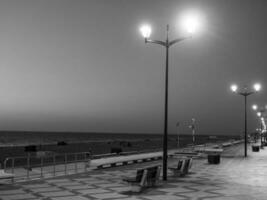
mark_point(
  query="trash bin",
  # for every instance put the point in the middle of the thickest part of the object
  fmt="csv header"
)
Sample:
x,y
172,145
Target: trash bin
x,y
214,158
255,148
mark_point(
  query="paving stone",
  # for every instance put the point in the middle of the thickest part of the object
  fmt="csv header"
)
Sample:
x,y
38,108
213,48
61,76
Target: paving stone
x,y
70,198
164,197
106,185
36,185
67,183
120,189
78,187
57,194
16,191
25,196
133,198
107,196
174,190
92,191
57,180
45,189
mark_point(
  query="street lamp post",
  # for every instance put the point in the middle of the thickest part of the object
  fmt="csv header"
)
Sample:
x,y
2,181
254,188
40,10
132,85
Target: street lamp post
x,y
193,128
146,31
245,92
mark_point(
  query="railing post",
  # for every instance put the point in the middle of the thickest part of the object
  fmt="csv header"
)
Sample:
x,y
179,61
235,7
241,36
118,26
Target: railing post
x,y
75,160
28,166
65,164
85,162
13,165
42,163
5,161
54,164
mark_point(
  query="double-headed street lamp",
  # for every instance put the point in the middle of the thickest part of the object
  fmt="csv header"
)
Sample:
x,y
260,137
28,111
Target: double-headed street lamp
x,y
245,91
191,25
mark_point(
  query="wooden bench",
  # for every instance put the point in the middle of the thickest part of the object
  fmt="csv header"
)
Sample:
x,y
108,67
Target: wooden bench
x,y
4,175
145,177
183,166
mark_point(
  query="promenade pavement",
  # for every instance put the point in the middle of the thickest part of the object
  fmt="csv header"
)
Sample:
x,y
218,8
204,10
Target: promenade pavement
x,y
235,178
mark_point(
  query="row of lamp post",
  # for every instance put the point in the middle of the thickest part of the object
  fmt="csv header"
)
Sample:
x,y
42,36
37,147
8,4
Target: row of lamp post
x,y
245,92
191,25
260,113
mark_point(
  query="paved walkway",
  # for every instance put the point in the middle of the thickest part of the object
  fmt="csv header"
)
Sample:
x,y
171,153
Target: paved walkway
x,y
234,178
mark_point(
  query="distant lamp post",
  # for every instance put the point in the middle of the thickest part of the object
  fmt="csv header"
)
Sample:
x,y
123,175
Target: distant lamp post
x,y
245,91
260,112
192,126
191,26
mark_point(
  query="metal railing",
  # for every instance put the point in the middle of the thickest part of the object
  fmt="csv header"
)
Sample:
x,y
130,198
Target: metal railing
x,y
40,166
36,166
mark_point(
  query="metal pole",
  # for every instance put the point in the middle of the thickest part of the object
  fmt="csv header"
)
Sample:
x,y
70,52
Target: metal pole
x,y
178,139
165,136
261,133
245,125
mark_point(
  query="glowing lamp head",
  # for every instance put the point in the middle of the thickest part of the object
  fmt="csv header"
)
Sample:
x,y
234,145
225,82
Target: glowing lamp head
x,y
234,88
191,22
258,114
257,87
254,107
145,31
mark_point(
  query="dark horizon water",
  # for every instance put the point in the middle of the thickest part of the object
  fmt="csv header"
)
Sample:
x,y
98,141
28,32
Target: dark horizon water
x,y
24,138
14,144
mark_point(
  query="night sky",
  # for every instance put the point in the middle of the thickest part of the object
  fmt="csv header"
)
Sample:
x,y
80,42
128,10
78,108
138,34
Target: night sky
x,y
82,65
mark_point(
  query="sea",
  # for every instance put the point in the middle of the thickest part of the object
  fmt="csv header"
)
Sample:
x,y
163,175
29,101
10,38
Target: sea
x,y
18,143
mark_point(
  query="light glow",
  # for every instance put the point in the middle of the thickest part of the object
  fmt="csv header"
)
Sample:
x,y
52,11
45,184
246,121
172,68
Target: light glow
x,y
234,88
145,30
257,87
258,114
254,107
191,22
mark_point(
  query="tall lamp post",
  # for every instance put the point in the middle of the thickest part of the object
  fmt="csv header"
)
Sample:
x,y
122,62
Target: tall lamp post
x,y
245,92
146,31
